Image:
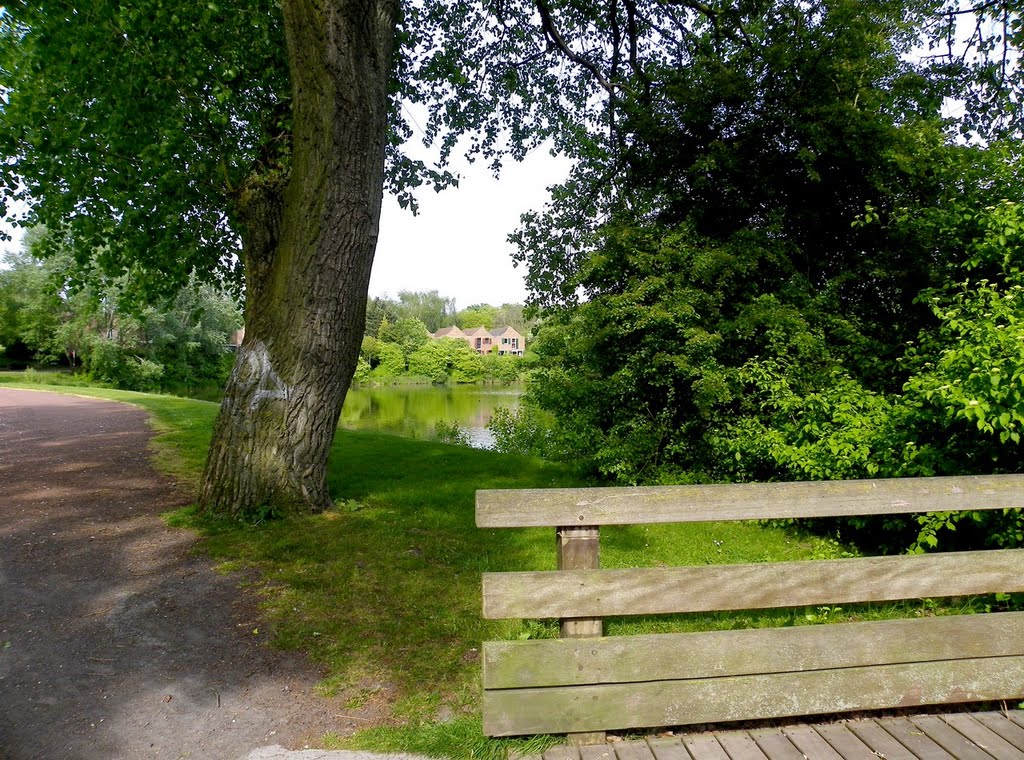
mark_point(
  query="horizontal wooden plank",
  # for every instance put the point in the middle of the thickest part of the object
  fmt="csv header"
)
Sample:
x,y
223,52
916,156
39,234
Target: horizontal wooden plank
x,y
714,654
511,712
653,591
744,501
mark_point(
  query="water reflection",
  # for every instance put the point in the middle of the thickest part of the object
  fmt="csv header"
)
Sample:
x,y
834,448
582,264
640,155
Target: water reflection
x,y
414,411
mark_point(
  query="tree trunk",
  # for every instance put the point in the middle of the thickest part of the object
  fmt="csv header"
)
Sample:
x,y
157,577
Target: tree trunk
x,y
309,243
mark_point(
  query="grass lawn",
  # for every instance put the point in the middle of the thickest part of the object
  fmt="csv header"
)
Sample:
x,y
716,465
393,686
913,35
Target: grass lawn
x,y
384,590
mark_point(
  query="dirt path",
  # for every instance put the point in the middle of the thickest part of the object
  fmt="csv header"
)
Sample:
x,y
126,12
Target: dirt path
x,y
114,641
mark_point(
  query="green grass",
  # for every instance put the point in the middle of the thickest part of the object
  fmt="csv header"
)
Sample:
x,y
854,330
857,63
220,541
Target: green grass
x,y
384,590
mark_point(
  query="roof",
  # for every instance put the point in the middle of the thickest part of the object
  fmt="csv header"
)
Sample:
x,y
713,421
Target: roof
x,y
498,332
449,332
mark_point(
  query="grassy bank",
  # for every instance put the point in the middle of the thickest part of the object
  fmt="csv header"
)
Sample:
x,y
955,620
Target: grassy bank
x,y
383,591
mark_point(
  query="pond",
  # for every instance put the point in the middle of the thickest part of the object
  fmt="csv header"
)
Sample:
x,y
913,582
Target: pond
x,y
414,411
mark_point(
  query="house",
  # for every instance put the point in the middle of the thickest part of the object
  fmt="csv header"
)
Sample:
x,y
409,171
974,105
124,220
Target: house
x,y
506,341
480,340
509,341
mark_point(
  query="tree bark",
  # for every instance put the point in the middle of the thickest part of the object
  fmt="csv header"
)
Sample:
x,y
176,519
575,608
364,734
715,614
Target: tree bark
x,y
309,237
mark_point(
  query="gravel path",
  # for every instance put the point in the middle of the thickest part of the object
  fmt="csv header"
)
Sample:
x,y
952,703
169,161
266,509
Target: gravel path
x,y
116,642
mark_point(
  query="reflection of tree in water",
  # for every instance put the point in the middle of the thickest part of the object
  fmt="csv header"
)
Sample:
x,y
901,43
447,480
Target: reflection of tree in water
x,y
415,411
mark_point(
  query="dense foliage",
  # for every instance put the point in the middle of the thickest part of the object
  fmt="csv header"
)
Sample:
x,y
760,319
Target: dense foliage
x,y
800,271
177,344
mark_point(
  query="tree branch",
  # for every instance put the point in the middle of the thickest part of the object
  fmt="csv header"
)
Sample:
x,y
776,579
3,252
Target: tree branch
x,y
552,33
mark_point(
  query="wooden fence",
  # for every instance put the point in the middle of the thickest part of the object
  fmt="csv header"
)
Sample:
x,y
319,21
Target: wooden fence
x,y
582,684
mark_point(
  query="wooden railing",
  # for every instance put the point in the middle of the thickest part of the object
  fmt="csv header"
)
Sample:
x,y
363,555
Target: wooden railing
x,y
582,684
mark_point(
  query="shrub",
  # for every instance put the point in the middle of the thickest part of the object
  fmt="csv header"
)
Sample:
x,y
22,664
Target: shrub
x,y
107,362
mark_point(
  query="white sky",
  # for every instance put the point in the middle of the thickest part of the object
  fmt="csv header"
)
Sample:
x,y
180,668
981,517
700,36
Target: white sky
x,y
457,243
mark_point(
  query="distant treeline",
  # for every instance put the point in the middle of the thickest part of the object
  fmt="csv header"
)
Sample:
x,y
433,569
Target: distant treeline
x,y
397,341
436,311
56,313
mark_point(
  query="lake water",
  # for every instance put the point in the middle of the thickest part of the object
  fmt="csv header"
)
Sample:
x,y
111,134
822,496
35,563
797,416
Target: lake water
x,y
414,411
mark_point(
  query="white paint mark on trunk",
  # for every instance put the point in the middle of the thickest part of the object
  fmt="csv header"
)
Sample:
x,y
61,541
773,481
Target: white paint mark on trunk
x,y
258,379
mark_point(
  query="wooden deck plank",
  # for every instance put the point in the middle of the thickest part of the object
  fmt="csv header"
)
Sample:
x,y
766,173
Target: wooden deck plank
x,y
596,752
992,743
759,585
740,746
914,739
775,744
998,723
667,748
704,747
955,736
635,749
748,501
845,742
562,752
949,738
1017,716
714,654
880,740
810,743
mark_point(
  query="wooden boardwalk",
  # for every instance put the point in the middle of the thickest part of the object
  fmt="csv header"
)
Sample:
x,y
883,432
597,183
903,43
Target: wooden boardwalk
x,y
950,736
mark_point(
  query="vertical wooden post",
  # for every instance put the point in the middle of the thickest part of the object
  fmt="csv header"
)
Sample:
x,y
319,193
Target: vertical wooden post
x,y
579,548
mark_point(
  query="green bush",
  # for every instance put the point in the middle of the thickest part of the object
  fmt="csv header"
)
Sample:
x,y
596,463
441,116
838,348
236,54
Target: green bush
x,y
447,360
107,362
525,430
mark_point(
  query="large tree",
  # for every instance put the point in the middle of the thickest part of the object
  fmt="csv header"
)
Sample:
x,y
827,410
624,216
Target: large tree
x,y
248,136
255,136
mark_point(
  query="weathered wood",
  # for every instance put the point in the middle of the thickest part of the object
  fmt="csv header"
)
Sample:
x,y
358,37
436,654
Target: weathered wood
x,y
713,654
844,742
1017,716
991,742
509,712
880,740
579,548
584,738
668,748
633,750
596,752
748,501
562,752
914,739
739,746
949,739
650,591
1000,724
776,745
576,685
704,747
811,744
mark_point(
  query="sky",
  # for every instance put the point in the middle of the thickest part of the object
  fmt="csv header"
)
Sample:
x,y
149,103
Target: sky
x,y
457,243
